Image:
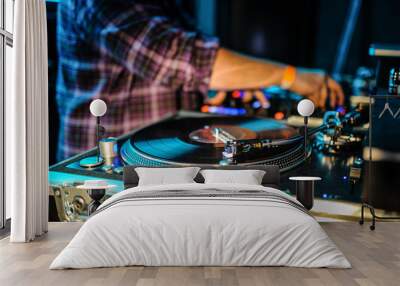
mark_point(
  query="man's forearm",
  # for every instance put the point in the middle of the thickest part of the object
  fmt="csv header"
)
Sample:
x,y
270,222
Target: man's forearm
x,y
235,71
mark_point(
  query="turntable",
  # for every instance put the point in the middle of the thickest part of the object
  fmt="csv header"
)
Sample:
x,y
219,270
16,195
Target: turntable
x,y
192,138
196,138
188,138
203,140
182,139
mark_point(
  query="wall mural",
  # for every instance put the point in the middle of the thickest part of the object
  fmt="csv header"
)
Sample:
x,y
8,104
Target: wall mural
x,y
108,112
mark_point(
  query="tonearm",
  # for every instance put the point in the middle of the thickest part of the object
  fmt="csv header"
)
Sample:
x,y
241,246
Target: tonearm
x,y
332,123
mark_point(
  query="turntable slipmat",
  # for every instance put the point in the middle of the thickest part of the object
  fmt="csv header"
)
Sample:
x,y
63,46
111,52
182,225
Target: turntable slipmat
x,y
175,141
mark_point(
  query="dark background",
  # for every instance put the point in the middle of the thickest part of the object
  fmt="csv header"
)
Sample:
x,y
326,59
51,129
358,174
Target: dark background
x,y
306,32
302,33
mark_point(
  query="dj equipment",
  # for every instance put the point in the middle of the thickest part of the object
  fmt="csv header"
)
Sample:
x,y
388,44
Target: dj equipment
x,y
214,141
189,138
338,138
108,150
70,202
192,138
277,103
394,81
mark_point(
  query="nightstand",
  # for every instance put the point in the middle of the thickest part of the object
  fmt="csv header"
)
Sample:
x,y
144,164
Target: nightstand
x,y
305,190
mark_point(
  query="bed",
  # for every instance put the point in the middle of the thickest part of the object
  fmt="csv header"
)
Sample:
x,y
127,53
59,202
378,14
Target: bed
x,y
198,224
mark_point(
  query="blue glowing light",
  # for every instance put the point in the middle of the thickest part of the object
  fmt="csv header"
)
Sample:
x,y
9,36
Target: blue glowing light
x,y
256,104
227,110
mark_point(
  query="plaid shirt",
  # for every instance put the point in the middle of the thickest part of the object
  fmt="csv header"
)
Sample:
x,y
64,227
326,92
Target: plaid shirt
x,y
133,56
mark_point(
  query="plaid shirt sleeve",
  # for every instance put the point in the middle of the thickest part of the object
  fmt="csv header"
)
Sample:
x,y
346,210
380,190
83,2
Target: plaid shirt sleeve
x,y
152,46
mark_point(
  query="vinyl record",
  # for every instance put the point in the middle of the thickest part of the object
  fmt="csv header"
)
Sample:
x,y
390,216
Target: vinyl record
x,y
198,140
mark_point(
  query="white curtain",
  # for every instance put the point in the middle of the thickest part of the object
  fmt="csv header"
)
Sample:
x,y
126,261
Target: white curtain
x,y
27,123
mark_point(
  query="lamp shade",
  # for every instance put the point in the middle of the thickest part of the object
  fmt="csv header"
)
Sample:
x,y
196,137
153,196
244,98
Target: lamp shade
x,y
305,107
98,107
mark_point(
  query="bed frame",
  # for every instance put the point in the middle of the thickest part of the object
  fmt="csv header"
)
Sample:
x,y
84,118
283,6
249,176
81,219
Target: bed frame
x,y
271,177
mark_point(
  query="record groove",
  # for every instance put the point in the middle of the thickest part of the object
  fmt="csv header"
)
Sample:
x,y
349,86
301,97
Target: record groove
x,y
169,142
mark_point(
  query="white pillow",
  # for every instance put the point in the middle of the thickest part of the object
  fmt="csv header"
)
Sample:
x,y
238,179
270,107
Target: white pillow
x,y
166,176
248,177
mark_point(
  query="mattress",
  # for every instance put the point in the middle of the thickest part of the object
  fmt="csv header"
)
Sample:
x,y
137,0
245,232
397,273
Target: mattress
x,y
201,225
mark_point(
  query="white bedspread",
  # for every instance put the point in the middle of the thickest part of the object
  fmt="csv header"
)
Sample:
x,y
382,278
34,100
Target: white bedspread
x,y
191,231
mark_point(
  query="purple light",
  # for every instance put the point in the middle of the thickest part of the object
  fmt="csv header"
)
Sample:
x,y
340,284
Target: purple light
x,y
341,110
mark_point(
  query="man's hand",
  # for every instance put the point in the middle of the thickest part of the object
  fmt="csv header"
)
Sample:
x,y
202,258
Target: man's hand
x,y
316,86
233,71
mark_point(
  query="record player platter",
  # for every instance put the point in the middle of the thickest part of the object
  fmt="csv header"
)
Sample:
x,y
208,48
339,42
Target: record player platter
x,y
192,140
